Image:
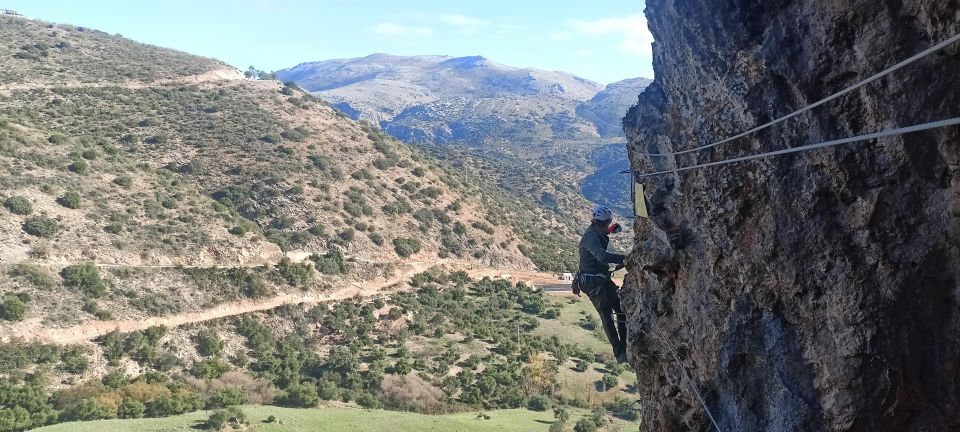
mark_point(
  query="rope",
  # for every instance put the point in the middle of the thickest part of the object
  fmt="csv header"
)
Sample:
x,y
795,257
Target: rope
x,y
676,358
820,102
890,132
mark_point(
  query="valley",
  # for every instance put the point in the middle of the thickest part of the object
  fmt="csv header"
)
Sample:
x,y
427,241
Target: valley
x,y
176,237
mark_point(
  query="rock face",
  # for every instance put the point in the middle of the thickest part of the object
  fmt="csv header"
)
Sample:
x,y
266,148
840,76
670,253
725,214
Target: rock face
x,y
813,291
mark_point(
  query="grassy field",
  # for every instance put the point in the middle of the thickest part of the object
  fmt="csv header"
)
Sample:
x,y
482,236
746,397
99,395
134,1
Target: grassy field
x,y
341,418
567,326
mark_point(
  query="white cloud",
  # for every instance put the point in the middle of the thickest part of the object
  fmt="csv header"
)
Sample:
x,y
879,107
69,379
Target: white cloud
x,y
465,23
633,31
394,29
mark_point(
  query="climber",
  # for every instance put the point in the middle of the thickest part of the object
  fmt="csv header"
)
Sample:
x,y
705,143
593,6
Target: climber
x,y
594,278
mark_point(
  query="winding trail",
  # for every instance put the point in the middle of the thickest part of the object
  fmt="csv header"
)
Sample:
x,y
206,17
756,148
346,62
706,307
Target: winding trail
x,y
92,329
215,75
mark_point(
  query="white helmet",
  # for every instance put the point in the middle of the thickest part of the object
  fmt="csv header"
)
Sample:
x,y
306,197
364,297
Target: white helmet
x,y
602,213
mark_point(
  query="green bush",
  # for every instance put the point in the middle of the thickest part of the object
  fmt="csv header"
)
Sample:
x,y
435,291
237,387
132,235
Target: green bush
x,y
585,425
209,369
226,397
610,381
70,200
294,274
367,400
79,166
209,343
406,247
123,181
33,274
13,308
331,263
18,205
85,277
298,396
41,226
256,287
539,403
131,409
57,138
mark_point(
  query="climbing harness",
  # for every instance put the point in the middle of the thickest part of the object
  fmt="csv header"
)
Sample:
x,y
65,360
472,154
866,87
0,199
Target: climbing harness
x,y
818,103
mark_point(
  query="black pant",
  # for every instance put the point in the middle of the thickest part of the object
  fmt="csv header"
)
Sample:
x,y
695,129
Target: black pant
x,y
603,293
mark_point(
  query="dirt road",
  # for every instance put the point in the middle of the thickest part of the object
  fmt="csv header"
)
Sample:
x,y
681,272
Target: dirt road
x,y
92,329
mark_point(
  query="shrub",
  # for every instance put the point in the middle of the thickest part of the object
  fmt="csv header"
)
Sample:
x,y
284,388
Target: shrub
x,y
74,360
33,274
57,138
13,308
218,420
367,400
209,343
79,166
18,205
296,134
41,226
85,277
585,425
70,200
376,238
209,369
123,181
131,409
610,381
331,263
294,274
226,397
406,247
411,393
298,396
539,403
257,287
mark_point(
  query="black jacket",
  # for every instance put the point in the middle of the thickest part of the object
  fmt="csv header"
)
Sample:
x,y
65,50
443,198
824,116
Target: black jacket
x,y
594,258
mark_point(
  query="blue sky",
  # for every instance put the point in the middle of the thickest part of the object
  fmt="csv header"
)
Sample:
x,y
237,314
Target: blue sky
x,y
602,40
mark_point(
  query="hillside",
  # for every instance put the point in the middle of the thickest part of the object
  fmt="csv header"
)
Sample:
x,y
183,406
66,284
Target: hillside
x,y
607,108
186,239
809,291
546,131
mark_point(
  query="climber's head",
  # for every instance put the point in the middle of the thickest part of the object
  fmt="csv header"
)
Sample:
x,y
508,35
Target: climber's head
x,y
602,217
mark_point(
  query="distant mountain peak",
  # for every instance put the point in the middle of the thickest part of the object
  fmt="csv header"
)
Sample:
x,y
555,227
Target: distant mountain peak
x,y
469,100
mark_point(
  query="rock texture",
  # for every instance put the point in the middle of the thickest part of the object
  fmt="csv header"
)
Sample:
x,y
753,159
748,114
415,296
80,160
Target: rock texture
x,y
816,291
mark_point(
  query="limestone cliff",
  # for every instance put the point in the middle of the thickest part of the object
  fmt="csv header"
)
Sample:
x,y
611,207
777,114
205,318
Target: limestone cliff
x,y
814,291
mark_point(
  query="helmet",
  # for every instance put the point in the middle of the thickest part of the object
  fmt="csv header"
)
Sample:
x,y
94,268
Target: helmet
x,y
602,213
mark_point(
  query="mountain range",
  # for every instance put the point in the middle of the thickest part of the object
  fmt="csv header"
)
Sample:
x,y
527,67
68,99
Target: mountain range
x,y
469,100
